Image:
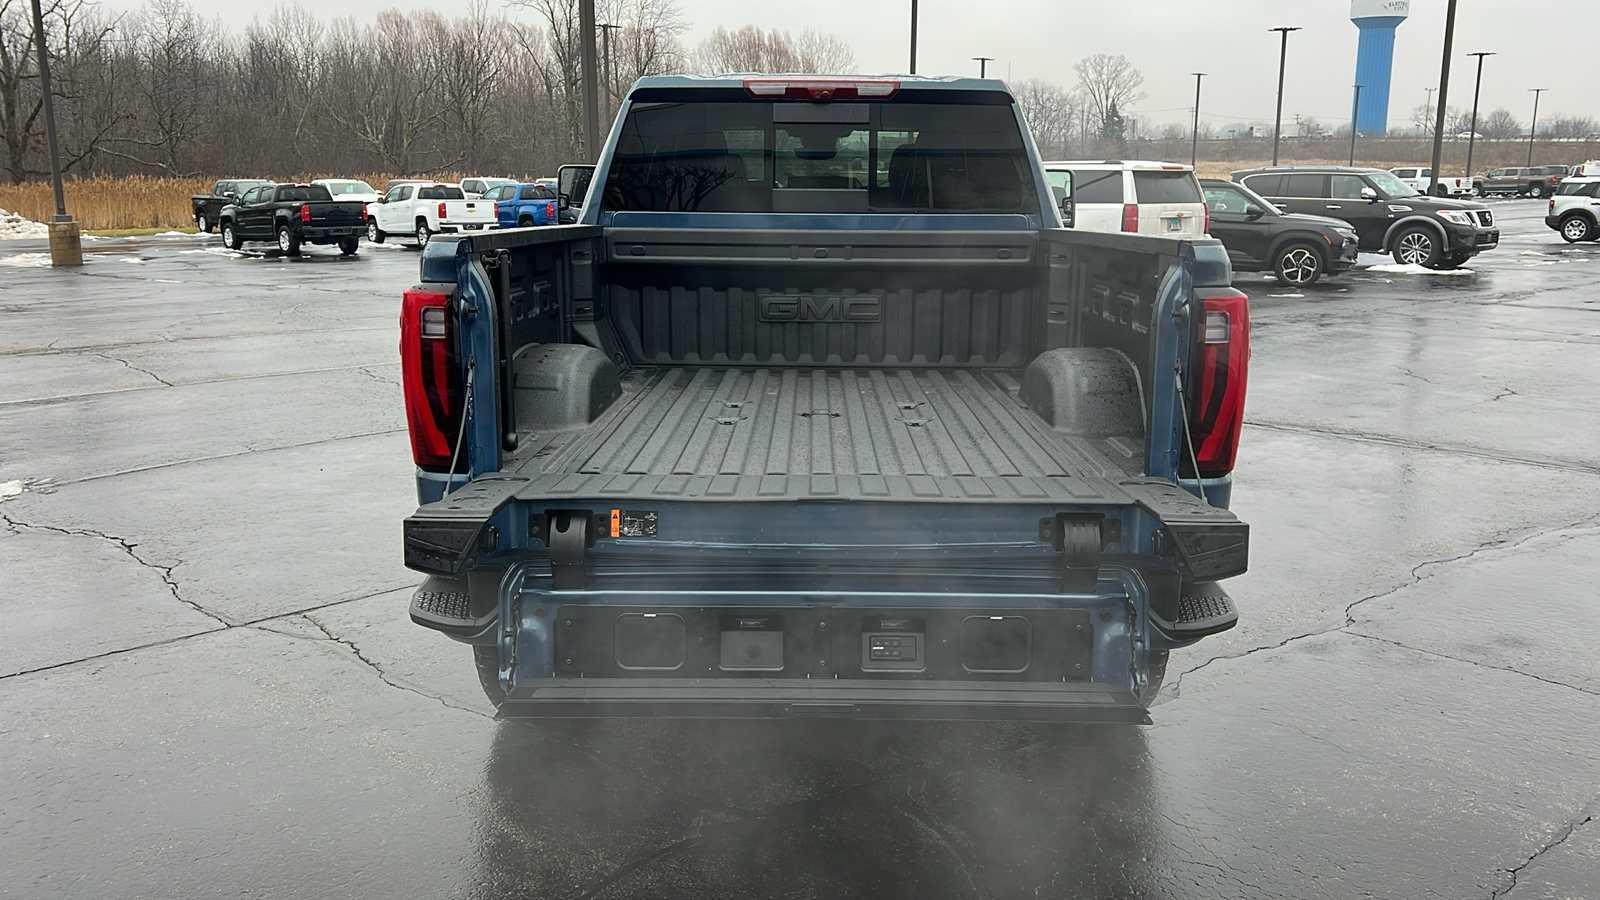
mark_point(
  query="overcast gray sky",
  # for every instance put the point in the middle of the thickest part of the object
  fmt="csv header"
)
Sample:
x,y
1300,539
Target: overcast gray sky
x,y
1166,40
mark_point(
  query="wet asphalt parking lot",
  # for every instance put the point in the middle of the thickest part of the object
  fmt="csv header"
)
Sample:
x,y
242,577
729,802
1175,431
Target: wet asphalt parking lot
x,y
209,686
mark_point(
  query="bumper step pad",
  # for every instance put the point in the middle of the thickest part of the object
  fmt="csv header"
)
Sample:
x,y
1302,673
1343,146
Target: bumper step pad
x,y
1203,608
445,604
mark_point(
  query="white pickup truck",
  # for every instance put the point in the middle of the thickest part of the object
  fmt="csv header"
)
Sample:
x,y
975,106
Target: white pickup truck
x,y
1422,180
423,210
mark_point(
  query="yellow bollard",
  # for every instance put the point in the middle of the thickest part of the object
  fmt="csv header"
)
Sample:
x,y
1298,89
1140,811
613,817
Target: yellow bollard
x,y
66,244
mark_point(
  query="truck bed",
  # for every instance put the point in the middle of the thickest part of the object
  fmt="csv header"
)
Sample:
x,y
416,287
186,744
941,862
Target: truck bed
x,y
785,434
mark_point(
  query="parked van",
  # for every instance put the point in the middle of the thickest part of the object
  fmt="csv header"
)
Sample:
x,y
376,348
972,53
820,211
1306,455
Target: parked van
x,y
1155,198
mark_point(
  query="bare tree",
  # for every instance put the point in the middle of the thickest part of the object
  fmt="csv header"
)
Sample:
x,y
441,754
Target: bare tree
x,y
174,48
650,42
822,52
468,60
386,102
1458,121
1052,115
1422,116
1108,83
749,49
1500,124
1570,127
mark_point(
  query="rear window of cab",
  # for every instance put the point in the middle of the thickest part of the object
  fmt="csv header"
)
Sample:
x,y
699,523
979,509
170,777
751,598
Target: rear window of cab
x,y
901,155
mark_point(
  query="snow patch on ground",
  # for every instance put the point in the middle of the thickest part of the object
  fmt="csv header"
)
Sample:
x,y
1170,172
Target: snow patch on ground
x,y
27,260
368,245
9,489
221,251
1286,295
15,226
133,259
177,234
1414,269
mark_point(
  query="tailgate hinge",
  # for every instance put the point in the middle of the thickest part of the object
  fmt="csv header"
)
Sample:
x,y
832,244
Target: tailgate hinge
x,y
569,534
1080,538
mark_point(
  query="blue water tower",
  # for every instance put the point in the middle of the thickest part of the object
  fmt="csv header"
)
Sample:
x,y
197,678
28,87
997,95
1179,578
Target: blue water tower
x,y
1377,20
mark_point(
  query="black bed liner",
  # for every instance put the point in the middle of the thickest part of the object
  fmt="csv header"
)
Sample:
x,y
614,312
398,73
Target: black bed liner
x,y
776,434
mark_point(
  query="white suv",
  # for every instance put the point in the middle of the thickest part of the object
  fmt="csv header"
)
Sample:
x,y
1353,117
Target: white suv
x,y
1129,195
1575,209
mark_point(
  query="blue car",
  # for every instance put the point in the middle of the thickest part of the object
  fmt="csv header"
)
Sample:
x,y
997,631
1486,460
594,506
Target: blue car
x,y
524,205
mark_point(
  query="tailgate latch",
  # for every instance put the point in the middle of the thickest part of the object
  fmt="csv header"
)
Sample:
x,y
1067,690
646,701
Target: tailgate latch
x,y
1080,537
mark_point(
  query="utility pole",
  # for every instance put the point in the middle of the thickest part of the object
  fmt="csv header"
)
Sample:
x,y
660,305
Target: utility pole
x,y
1531,131
66,245
1194,143
1428,107
1283,55
1472,132
1355,107
605,56
983,65
591,80
1444,97
913,37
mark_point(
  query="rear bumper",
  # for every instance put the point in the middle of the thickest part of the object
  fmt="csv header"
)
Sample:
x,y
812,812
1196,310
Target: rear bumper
x,y
331,234
847,698
1553,222
457,227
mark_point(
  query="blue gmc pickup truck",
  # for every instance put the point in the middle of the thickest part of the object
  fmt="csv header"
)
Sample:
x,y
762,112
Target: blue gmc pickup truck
x,y
818,410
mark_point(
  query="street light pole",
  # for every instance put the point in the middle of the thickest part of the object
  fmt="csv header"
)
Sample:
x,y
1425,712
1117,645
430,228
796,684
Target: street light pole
x,y
66,246
1444,94
1194,143
913,37
983,65
591,80
1535,122
1283,55
1472,132
606,66
1354,107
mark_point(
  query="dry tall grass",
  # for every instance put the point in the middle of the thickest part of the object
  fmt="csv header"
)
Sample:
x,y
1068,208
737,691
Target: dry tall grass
x,y
135,201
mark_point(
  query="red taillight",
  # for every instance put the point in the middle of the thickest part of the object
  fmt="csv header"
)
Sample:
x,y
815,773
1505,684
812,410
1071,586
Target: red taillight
x,y
429,377
497,211
1219,369
1130,217
1552,210
441,209
550,211
1206,225
364,213
811,87
305,213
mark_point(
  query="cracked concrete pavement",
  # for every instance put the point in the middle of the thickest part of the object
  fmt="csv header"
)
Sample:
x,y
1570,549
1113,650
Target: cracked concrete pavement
x,y
210,686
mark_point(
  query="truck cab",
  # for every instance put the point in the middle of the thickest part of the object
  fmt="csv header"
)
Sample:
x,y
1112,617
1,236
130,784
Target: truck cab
x,y
819,411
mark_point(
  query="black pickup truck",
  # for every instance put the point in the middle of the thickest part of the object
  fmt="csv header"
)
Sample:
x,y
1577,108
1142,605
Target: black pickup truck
x,y
207,208
291,215
819,411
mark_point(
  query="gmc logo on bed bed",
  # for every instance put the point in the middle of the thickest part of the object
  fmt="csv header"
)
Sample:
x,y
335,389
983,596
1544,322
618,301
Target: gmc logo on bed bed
x,y
821,308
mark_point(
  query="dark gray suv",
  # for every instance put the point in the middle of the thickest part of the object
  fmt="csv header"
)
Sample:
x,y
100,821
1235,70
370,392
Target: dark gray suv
x,y
1389,216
